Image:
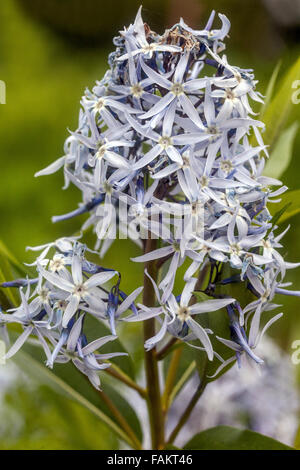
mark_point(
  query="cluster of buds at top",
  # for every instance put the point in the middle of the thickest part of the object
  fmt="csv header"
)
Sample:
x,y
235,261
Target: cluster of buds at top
x,y
168,131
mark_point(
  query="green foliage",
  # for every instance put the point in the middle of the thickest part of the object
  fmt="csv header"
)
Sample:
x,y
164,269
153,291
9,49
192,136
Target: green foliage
x,y
56,419
279,110
289,205
58,424
270,89
229,438
281,156
67,380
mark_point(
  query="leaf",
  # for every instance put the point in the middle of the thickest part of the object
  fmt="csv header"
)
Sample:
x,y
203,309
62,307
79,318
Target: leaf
x,y
4,251
67,379
8,297
291,201
281,156
230,438
25,362
276,217
171,447
278,111
10,268
270,89
297,439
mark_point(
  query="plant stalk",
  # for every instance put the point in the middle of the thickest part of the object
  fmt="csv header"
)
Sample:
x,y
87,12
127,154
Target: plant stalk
x,y
122,421
171,377
126,380
154,402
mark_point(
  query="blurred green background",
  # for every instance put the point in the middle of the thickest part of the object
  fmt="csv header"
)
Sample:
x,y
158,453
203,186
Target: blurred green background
x,y
50,51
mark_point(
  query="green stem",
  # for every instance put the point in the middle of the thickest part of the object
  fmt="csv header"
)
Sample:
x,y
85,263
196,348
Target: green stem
x,y
118,374
152,378
136,444
171,377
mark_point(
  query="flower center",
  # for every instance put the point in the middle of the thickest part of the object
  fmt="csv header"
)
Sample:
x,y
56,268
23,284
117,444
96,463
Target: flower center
x,y
183,314
56,264
226,166
165,142
235,249
136,90
80,290
177,89
100,104
212,130
204,181
149,48
101,151
61,305
230,95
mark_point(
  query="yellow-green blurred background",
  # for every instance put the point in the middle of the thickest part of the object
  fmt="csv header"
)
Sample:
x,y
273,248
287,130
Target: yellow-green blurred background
x,y
50,50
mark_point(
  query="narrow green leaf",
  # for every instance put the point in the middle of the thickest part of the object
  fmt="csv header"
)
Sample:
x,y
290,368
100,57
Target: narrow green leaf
x,y
171,447
27,363
7,295
276,217
281,156
4,251
278,111
297,439
270,89
68,374
291,199
229,438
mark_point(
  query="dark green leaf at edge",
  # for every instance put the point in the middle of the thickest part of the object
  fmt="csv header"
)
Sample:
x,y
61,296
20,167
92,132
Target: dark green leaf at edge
x,y
230,438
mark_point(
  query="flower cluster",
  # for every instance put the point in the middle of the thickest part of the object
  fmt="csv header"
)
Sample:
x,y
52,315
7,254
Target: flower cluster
x,y
169,133
55,304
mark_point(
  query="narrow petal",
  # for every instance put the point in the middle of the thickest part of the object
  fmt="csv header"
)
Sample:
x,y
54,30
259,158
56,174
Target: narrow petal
x,y
70,310
210,305
202,336
99,279
52,168
97,344
74,334
155,254
77,270
159,106
56,280
19,342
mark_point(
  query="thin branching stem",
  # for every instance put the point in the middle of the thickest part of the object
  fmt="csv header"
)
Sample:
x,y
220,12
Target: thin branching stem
x,y
136,444
187,412
119,375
